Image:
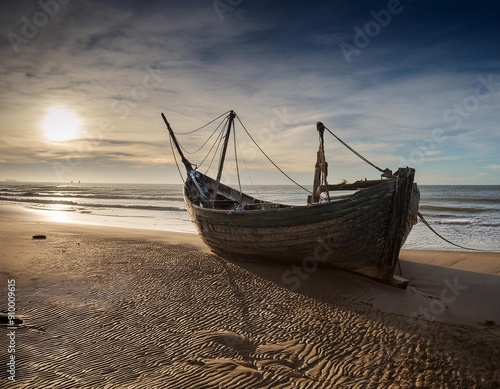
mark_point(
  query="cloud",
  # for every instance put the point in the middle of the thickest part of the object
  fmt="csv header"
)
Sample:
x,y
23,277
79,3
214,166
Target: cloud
x,y
118,65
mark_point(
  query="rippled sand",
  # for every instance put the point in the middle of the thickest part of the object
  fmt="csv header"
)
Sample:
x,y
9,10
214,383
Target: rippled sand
x,y
114,310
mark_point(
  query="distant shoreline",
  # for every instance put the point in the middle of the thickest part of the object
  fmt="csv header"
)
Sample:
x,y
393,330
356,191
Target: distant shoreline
x,y
180,183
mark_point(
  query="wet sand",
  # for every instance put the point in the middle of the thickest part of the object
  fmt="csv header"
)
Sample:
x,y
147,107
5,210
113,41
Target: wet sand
x,y
120,308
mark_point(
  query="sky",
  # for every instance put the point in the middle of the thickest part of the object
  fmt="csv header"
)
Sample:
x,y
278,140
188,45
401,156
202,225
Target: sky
x,y
405,83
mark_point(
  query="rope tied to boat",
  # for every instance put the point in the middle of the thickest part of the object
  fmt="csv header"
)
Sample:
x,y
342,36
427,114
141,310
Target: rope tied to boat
x,y
387,173
202,127
426,223
269,159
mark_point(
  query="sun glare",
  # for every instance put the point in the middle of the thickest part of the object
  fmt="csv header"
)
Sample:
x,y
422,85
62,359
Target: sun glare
x,y
60,125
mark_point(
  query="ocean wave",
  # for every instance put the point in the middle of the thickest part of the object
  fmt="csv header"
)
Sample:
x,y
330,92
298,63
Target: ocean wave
x,y
466,200
455,222
489,224
97,196
12,190
91,205
468,222
457,209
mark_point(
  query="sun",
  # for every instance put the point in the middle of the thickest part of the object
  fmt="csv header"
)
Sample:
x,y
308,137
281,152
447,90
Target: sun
x,y
61,125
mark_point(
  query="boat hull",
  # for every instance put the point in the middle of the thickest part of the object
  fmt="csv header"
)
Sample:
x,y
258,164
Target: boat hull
x,y
362,233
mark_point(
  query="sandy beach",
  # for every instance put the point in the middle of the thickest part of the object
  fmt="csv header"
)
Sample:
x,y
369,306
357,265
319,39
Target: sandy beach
x,y
120,308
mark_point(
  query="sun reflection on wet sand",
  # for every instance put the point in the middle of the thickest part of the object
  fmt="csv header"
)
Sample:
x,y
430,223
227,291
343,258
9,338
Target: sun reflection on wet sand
x,y
58,214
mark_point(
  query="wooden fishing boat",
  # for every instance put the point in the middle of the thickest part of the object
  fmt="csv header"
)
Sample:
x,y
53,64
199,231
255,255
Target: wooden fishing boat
x,y
361,232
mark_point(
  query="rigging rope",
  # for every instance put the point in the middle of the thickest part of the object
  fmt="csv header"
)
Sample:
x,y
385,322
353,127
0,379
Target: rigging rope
x,y
248,172
237,167
203,145
220,138
198,129
270,160
387,173
442,237
175,158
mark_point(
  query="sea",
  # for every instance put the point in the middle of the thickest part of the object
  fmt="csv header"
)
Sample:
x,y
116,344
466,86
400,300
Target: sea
x,y
467,215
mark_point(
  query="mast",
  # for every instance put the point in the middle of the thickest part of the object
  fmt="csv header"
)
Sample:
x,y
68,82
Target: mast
x,y
320,169
186,163
223,155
